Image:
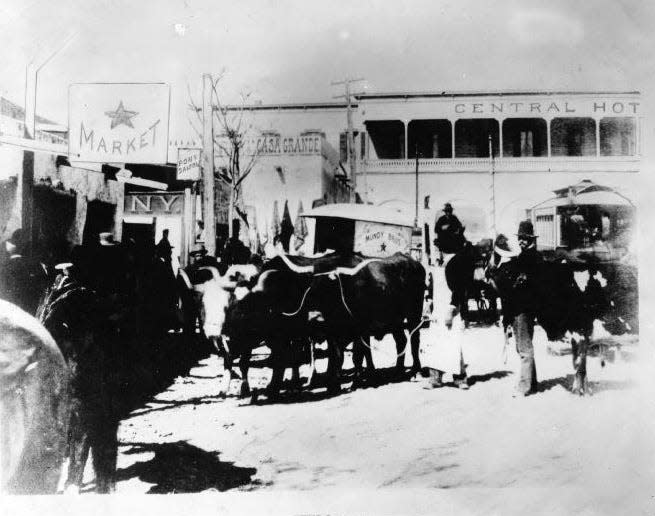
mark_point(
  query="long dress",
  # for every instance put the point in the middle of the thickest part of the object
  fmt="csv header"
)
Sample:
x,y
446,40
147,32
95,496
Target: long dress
x,y
442,341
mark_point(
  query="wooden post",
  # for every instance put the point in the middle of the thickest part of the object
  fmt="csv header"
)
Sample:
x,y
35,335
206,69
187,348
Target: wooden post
x,y
350,146
188,226
209,197
26,179
350,142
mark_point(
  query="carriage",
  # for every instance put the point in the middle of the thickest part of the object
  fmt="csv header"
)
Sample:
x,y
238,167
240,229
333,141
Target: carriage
x,y
374,231
586,222
593,227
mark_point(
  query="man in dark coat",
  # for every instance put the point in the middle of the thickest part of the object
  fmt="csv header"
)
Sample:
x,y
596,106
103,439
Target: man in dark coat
x,y
22,280
523,306
164,249
449,231
235,251
111,275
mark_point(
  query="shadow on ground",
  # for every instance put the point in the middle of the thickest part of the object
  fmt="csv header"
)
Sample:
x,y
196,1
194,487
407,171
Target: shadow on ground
x,y
481,378
182,468
594,386
151,368
161,405
290,393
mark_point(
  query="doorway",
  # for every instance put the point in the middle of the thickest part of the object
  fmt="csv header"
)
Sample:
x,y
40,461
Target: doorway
x,y
142,235
99,218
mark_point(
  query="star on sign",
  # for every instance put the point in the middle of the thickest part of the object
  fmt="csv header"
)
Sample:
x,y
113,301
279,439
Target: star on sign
x,y
121,116
383,247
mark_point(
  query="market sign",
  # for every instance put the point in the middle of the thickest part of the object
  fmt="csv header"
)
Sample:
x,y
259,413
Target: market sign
x,y
381,240
188,164
118,123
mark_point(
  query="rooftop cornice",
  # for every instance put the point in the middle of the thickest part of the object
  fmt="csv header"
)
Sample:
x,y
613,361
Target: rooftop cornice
x,y
451,94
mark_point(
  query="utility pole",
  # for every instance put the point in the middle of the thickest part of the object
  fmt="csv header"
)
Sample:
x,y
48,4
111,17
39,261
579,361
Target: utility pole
x,y
25,185
25,194
492,172
416,192
209,198
350,140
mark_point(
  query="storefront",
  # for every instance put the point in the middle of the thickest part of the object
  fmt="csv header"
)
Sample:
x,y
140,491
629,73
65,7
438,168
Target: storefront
x,y
147,214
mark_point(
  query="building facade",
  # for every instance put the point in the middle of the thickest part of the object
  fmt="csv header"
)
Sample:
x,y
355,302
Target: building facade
x,y
69,205
493,155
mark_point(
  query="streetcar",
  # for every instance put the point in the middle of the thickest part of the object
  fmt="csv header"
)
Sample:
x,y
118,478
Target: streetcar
x,y
586,222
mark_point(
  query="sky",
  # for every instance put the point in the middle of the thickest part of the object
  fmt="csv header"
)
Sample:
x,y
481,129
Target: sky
x,y
281,51
292,50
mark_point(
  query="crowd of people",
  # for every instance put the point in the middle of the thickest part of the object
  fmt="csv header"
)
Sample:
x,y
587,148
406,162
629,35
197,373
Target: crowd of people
x,y
520,314
119,273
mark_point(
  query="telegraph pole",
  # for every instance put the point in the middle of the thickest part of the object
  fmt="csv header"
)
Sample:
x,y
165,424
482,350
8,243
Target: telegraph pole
x,y
492,172
209,199
416,191
350,141
25,185
26,179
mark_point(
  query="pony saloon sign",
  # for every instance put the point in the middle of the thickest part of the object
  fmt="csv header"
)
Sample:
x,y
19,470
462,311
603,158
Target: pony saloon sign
x,y
117,122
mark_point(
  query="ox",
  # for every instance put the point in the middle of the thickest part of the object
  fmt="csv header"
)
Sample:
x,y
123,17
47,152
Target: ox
x,y
348,299
248,306
572,296
34,404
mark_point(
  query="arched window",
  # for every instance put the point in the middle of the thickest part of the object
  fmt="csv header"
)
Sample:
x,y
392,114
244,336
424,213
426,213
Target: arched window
x,y
573,137
525,137
432,138
618,136
472,137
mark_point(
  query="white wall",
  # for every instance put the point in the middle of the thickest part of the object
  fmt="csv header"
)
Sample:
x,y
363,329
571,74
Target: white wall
x,y
515,191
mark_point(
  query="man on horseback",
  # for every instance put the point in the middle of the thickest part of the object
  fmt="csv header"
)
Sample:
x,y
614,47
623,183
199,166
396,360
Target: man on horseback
x,y
449,231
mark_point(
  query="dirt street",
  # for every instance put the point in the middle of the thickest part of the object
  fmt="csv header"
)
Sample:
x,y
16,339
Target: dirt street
x,y
402,438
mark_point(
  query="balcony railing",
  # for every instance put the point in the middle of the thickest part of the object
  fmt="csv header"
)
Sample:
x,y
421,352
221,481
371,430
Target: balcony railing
x,y
553,164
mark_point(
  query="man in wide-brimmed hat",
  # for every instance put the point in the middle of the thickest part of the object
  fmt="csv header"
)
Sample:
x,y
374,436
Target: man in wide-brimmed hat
x,y
198,258
524,302
449,232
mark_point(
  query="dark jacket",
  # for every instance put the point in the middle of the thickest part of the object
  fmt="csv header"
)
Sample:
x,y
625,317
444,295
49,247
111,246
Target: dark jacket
x,y
449,231
235,252
526,287
22,282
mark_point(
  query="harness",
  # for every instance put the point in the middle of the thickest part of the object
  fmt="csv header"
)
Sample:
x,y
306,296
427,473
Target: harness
x,y
336,273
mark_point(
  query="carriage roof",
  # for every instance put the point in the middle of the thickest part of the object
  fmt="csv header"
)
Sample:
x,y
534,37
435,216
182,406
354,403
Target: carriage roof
x,y
585,193
363,212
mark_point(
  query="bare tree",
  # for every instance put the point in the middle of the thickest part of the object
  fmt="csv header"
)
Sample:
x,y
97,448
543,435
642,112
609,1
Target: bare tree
x,y
231,136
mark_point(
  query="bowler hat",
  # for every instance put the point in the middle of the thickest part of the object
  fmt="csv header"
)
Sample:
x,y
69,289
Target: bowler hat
x,y
526,229
447,207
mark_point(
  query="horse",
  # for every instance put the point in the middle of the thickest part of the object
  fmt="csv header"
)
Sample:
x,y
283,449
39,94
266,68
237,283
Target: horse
x,y
35,405
463,279
80,322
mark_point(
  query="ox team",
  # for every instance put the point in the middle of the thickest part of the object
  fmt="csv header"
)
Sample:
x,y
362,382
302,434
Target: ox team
x,y
110,293
275,290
